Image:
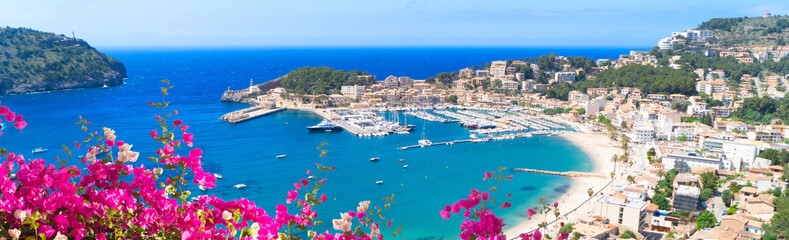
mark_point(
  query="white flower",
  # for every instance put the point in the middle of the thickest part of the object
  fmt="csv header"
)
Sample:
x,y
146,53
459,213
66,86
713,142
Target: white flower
x,y
14,233
60,237
109,134
20,214
254,228
126,155
363,205
91,155
374,231
227,215
343,224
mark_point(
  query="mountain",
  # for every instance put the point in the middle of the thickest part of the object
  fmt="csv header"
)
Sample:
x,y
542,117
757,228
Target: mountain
x,y
745,31
35,61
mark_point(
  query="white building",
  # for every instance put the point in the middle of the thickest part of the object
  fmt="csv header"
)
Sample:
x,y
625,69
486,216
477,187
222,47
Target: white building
x,y
643,132
354,91
577,97
685,161
564,76
509,84
498,68
527,86
666,43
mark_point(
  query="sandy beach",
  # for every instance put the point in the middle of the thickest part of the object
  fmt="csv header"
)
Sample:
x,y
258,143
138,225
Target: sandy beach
x,y
600,148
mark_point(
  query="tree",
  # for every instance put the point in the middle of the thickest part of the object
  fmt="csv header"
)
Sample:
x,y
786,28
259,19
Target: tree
x,y
631,179
452,98
779,225
706,220
651,152
627,234
726,196
581,111
682,138
660,200
590,192
705,194
709,180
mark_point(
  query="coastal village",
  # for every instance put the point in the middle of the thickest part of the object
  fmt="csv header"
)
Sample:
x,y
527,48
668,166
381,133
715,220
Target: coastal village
x,y
670,166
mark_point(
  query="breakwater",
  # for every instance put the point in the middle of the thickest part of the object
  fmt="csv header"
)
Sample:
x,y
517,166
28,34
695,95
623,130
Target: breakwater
x,y
572,174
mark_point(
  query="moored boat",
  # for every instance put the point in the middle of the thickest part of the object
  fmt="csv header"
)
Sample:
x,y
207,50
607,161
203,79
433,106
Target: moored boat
x,y
39,150
325,126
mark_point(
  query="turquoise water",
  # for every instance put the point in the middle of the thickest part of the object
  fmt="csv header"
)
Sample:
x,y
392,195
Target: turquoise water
x,y
245,152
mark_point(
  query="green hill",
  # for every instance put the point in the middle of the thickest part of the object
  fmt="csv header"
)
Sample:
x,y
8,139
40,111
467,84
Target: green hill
x,y
749,31
320,80
35,61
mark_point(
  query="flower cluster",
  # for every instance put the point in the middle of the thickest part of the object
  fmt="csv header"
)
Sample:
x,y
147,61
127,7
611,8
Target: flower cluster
x,y
481,223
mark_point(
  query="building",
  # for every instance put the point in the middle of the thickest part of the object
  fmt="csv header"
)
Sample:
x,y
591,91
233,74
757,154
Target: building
x,y
498,68
509,84
643,132
596,91
686,199
685,161
577,97
354,91
391,82
527,86
711,87
520,76
666,43
405,81
466,72
482,73
564,76
622,211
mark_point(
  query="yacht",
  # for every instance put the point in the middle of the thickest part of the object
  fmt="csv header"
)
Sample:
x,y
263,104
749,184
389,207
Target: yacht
x,y
401,160
405,166
217,176
240,186
374,159
379,182
40,150
325,126
424,142
281,156
202,188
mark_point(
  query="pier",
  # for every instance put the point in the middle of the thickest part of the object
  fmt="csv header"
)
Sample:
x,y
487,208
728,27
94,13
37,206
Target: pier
x,y
248,113
572,174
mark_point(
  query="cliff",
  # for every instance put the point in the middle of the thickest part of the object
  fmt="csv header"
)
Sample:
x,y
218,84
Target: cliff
x,y
35,61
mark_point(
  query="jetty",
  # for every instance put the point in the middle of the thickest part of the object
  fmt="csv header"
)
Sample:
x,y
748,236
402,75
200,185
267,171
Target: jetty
x,y
248,113
572,174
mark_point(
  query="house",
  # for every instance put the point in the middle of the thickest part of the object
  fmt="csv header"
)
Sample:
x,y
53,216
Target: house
x,y
620,210
354,91
577,97
498,68
509,84
596,91
482,73
684,161
595,227
466,73
686,198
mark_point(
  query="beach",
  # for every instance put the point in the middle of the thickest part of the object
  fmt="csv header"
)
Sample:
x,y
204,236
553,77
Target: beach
x,y
600,149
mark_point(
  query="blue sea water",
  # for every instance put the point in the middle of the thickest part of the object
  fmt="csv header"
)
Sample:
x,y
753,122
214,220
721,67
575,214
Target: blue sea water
x,y
245,153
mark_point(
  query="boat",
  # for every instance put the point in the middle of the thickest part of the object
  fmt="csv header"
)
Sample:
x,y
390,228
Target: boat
x,y
325,126
401,160
374,159
405,166
202,188
379,182
40,150
240,186
281,156
217,176
424,142
311,177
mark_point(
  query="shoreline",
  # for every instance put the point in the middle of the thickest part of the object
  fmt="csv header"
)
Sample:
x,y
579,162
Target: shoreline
x,y
599,148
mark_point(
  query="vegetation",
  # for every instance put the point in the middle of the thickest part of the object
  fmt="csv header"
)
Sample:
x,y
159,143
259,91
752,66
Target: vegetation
x,y
776,157
748,31
648,79
726,197
779,225
706,220
32,61
320,80
627,235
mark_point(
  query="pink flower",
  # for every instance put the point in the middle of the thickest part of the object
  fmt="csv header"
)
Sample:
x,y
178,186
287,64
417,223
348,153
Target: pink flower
x,y
292,195
556,204
305,182
487,175
445,214
505,205
188,139
10,116
323,198
154,134
177,122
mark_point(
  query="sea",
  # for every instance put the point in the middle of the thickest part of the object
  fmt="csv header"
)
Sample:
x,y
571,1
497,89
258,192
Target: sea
x,y
246,152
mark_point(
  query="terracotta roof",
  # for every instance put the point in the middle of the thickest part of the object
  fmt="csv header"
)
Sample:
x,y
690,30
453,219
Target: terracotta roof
x,y
748,189
652,207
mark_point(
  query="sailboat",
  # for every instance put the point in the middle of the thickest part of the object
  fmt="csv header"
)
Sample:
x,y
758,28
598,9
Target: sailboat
x,y
424,142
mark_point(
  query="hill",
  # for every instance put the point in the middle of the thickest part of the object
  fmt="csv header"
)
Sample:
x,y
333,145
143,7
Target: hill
x,y
321,80
35,61
747,31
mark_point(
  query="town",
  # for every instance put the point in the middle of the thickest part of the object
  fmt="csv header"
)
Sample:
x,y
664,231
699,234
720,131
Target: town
x,y
702,150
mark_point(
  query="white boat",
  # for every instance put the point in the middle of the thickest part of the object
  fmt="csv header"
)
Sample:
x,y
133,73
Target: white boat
x,y
374,159
240,186
281,156
424,142
405,166
202,188
217,176
39,150
379,182
311,177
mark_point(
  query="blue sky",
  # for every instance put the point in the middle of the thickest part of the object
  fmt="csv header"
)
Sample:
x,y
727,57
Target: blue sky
x,y
240,23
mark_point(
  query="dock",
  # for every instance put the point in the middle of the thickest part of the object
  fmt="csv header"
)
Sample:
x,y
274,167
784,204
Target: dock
x,y
572,174
248,113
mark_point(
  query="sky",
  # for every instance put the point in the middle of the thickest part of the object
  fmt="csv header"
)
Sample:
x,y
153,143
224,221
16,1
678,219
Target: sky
x,y
294,23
